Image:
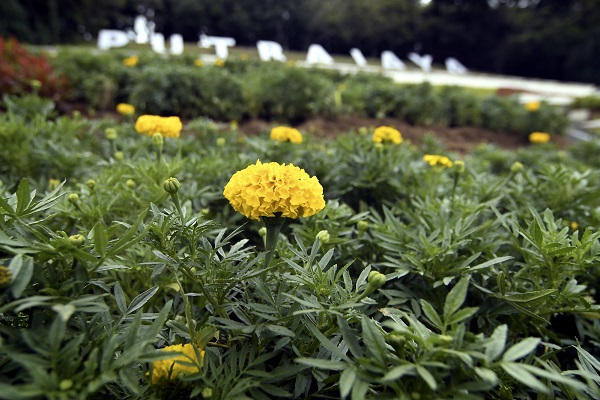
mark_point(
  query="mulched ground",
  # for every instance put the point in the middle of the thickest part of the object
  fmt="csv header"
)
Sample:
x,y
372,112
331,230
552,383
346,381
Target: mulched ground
x,y
460,139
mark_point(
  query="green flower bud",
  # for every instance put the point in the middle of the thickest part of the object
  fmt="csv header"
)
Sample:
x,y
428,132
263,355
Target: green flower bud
x,y
65,384
323,236
158,139
362,226
171,185
376,279
35,84
263,231
5,277
221,142
52,184
459,166
205,211
207,393
91,183
73,198
363,131
516,167
110,133
77,240
119,155
130,184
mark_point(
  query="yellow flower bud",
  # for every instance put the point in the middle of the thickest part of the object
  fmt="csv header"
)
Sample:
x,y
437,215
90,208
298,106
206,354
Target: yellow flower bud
x,y
157,139
221,142
207,393
91,183
130,184
376,279
5,277
459,166
73,198
119,155
65,384
77,240
110,133
263,231
171,185
362,226
323,236
52,184
516,167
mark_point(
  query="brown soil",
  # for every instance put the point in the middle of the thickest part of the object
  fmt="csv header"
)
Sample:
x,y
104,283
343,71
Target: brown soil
x,y
459,139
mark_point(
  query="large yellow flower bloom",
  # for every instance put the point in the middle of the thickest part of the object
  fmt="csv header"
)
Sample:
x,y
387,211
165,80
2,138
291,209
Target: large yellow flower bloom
x,y
539,137
436,160
125,109
286,134
385,134
166,126
168,368
532,106
131,61
262,190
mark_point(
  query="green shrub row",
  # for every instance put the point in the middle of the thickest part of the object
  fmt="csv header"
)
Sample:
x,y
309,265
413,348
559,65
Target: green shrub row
x,y
248,89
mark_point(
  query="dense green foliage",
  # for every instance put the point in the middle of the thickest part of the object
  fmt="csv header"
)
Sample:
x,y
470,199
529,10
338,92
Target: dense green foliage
x,y
536,38
491,271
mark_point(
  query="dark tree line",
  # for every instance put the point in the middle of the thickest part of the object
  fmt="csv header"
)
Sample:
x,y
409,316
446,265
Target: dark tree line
x,y
557,39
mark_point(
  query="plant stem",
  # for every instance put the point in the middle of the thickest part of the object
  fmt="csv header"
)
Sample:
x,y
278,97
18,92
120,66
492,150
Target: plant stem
x,y
273,225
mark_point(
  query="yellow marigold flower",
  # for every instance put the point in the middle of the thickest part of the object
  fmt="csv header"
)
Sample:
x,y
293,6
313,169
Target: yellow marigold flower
x,y
436,160
166,126
125,109
384,134
574,225
539,137
169,368
219,62
198,63
532,106
262,190
131,61
286,134
5,277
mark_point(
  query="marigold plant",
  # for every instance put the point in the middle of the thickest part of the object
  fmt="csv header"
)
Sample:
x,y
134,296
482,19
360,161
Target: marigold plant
x,y
151,124
264,190
385,134
286,134
539,137
125,109
169,368
131,61
437,160
532,106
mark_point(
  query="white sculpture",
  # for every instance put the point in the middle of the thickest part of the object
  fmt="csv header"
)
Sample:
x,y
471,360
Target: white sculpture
x,y
176,44
269,50
318,55
454,66
358,57
424,61
221,44
108,38
391,61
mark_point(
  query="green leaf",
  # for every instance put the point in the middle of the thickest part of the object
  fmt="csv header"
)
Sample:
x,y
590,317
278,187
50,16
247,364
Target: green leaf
x,y
496,343
398,372
359,389
22,270
23,196
322,364
347,378
461,315
100,239
487,375
489,263
120,298
522,375
349,337
64,311
521,349
141,299
373,339
530,296
456,297
427,377
431,314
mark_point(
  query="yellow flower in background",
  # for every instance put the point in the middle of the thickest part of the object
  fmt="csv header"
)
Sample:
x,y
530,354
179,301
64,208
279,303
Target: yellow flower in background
x,y
539,137
437,161
219,62
574,225
131,61
262,190
167,126
286,134
198,63
170,368
384,134
532,106
125,109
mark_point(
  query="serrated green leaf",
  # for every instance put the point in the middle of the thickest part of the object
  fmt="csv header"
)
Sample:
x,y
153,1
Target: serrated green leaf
x,y
431,314
529,296
322,364
347,378
120,298
141,299
521,349
456,297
